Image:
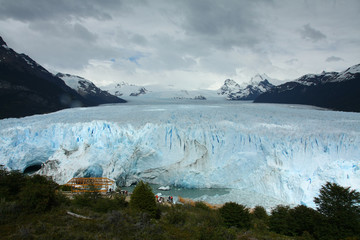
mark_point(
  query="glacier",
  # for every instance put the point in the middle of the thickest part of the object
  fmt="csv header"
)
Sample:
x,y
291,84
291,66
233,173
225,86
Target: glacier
x,y
264,153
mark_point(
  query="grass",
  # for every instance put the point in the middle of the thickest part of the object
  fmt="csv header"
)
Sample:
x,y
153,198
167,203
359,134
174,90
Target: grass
x,y
176,222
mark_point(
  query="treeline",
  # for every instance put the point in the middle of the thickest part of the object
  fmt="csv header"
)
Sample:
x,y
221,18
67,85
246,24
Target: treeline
x,y
33,207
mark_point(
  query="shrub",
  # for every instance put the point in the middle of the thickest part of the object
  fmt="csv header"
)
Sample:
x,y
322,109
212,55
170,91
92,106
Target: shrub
x,y
235,215
106,204
201,205
38,194
143,199
8,211
11,184
65,188
176,215
83,200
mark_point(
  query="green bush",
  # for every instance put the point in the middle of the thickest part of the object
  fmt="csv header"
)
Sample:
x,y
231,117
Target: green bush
x,y
38,194
143,199
11,184
235,215
176,215
65,188
201,205
83,200
8,211
106,204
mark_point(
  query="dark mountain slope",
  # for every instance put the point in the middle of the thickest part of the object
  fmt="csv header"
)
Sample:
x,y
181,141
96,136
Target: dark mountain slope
x,y
26,88
88,90
337,91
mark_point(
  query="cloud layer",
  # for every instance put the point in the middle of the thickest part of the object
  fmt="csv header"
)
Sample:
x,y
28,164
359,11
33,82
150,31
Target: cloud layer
x,y
189,44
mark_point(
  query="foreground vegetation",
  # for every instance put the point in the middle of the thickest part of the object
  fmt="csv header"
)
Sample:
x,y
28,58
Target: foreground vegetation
x,y
33,207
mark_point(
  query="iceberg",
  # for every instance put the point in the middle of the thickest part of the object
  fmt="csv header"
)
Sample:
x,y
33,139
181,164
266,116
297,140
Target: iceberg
x,y
279,152
164,188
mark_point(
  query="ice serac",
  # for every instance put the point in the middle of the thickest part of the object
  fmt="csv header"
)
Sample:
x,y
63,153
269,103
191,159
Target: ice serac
x,y
266,149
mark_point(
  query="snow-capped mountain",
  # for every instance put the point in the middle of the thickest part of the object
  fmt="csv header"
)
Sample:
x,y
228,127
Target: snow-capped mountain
x,y
351,73
198,144
26,88
338,91
140,91
125,89
157,93
233,91
88,90
229,87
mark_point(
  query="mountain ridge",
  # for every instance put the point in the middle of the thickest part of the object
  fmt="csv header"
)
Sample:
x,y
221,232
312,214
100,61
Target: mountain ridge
x,y
88,89
248,91
27,88
333,90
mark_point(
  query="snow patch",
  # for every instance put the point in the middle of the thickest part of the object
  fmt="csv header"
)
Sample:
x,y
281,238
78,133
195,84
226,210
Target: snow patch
x,y
5,46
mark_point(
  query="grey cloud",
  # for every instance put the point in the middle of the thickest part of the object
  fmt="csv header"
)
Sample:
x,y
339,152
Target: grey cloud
x,y
69,54
223,24
204,36
334,59
309,33
27,10
84,33
170,54
138,39
65,30
292,61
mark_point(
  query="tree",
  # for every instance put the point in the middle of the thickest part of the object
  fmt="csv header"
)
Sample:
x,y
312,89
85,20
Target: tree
x,y
260,219
143,199
260,213
303,220
235,215
279,220
341,210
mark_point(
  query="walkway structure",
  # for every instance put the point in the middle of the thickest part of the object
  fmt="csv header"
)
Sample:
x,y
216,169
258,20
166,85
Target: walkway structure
x,y
91,184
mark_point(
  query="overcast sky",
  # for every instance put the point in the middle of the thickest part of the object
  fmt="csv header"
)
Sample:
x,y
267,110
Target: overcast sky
x,y
187,43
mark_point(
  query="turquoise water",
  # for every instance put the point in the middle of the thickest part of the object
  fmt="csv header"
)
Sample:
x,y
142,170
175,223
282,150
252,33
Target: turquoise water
x,y
246,197
184,192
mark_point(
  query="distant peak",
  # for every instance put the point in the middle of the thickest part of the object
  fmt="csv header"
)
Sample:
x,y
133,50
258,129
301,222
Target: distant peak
x,y
258,75
258,78
230,82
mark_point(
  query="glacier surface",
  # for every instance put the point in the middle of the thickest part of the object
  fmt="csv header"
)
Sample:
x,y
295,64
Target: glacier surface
x,y
265,153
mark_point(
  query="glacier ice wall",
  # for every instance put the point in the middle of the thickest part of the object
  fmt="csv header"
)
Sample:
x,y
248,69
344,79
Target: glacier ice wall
x,y
278,151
